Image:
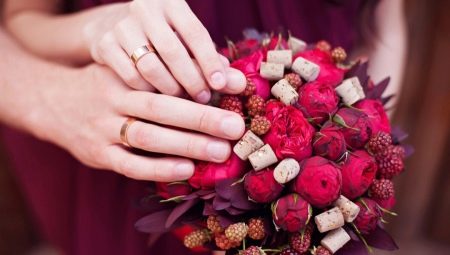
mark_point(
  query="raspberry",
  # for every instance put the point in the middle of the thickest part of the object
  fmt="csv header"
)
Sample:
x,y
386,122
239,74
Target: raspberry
x,y
301,241
398,150
250,88
260,125
252,250
256,229
236,232
256,106
323,45
379,142
197,238
389,165
289,251
224,243
382,189
321,251
294,80
338,54
231,103
213,224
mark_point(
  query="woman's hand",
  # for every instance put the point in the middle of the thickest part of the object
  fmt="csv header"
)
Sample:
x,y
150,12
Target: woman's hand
x,y
175,33
86,114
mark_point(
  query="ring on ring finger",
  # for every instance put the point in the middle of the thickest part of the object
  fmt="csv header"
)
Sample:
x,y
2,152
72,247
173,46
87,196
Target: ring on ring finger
x,y
140,52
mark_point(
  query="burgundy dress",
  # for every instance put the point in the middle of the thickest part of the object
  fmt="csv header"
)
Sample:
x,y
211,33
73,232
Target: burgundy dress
x,y
86,211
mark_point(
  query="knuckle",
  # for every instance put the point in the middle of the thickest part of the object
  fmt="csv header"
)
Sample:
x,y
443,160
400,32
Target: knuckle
x,y
124,167
171,50
146,138
204,120
191,147
131,78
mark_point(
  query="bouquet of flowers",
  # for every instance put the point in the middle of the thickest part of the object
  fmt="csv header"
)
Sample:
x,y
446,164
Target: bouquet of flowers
x,y
312,174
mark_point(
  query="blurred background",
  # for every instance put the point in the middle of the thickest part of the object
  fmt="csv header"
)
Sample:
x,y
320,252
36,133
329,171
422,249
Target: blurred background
x,y
423,193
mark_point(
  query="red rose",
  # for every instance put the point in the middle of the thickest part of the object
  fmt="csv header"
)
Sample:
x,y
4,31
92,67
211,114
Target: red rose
x,y
358,173
290,135
329,73
318,100
261,186
356,126
207,174
291,213
249,66
368,216
319,181
174,189
377,116
329,143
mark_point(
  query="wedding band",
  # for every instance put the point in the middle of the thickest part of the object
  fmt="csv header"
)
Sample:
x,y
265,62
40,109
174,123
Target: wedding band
x,y
124,129
140,52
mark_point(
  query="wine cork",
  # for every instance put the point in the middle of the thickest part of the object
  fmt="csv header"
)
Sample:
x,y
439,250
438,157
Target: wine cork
x,y
280,57
296,45
271,71
262,158
350,90
286,170
349,209
285,92
306,69
335,240
329,220
248,144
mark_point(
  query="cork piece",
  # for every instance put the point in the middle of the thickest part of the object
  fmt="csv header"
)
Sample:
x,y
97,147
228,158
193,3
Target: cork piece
x,y
248,144
349,209
286,170
262,158
281,57
329,220
271,71
296,45
283,91
335,240
350,90
306,69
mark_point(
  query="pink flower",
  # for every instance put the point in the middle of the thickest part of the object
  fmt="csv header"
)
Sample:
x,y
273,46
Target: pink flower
x,y
290,135
377,116
358,173
291,213
318,100
261,186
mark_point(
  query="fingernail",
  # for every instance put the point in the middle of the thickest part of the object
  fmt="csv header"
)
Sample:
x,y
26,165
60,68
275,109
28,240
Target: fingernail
x,y
218,80
204,96
236,80
232,126
184,170
218,151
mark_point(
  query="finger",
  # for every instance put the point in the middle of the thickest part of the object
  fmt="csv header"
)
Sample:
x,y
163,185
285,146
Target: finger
x,y
131,37
158,139
173,53
197,38
236,81
109,52
225,61
145,168
182,113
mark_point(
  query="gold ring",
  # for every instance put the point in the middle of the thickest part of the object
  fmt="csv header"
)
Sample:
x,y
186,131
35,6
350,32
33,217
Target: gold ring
x,y
140,52
124,129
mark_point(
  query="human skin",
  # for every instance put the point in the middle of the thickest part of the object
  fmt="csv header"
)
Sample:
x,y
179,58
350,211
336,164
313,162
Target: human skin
x,y
82,110
109,34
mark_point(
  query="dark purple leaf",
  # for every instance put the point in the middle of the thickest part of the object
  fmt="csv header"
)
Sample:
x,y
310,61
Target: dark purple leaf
x,y
381,239
225,221
359,70
409,150
386,99
378,90
204,192
208,196
234,211
208,209
351,233
398,135
220,203
153,223
179,210
223,188
353,248
190,196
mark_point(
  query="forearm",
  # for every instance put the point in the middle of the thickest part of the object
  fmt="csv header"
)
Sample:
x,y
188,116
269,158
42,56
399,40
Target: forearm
x,y
54,36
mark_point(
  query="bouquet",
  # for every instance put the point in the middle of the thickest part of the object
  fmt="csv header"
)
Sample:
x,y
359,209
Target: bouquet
x,y
313,172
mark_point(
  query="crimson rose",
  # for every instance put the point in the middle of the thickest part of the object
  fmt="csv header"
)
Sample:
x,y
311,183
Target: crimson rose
x,y
207,174
261,186
291,212
358,173
356,126
319,181
318,100
290,135
377,116
329,143
174,189
368,216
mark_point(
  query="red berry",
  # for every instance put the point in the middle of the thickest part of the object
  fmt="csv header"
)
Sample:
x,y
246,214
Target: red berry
x,y
321,251
224,243
338,54
294,80
289,251
250,88
213,224
382,189
323,45
260,125
256,229
231,103
389,165
300,241
379,142
252,250
256,106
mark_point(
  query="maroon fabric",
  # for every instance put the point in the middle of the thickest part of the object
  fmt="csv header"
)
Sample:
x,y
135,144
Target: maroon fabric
x,y
86,211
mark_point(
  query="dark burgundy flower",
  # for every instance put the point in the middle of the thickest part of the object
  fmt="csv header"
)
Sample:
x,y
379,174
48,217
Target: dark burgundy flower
x,y
318,100
329,143
291,212
356,126
377,116
261,186
368,217
358,172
